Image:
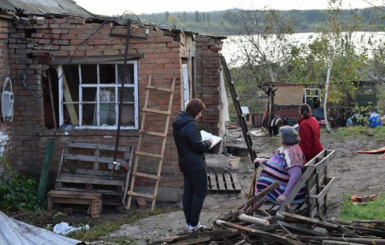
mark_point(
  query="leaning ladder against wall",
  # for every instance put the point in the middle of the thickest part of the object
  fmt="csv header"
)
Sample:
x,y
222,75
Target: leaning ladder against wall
x,y
147,156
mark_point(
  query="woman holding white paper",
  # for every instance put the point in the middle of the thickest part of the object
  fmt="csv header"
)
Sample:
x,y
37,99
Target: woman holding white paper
x,y
192,162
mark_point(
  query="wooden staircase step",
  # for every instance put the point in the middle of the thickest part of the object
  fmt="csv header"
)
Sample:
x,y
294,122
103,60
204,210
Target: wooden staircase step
x,y
167,113
142,153
153,133
160,88
150,176
132,193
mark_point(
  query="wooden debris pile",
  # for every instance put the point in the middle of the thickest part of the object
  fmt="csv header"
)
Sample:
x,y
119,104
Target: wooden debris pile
x,y
240,226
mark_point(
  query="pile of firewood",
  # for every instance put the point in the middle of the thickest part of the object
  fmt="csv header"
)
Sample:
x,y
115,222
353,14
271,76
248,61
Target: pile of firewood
x,y
240,226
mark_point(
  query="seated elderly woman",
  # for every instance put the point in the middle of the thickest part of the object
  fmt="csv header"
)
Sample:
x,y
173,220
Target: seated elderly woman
x,y
285,167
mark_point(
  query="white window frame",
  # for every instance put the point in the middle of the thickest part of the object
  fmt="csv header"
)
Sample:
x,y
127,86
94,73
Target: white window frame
x,y
98,86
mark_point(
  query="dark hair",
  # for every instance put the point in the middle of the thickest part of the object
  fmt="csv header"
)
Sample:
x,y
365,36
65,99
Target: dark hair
x,y
195,106
289,135
305,110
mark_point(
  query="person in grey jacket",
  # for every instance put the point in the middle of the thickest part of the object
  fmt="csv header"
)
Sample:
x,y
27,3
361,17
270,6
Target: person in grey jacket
x,y
192,161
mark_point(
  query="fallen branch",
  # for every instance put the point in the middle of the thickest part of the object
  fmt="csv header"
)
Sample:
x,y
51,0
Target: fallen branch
x,y
344,239
258,233
192,237
261,194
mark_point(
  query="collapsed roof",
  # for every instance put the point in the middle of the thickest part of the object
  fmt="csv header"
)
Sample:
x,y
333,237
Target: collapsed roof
x,y
43,7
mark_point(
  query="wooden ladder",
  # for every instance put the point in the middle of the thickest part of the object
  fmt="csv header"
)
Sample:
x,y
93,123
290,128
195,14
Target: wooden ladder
x,y
150,157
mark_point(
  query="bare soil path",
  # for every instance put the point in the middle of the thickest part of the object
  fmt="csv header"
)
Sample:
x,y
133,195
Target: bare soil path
x,y
356,174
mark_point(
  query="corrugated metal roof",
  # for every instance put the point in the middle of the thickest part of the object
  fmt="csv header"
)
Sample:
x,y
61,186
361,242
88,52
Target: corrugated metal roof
x,y
42,7
14,232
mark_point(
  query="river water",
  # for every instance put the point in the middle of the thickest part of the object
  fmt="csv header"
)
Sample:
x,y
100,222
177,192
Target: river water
x,y
232,46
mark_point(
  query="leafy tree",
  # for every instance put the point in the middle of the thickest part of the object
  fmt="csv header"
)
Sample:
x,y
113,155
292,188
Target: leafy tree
x,y
332,62
264,41
166,16
197,16
263,49
173,21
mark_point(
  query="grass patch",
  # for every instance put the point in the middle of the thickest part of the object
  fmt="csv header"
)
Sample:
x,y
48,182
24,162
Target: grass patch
x,y
104,227
374,210
359,130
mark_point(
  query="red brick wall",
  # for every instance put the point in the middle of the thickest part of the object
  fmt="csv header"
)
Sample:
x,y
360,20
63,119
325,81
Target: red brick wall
x,y
5,127
208,81
30,48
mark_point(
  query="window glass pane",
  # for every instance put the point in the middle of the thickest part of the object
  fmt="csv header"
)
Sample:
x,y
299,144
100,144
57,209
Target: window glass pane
x,y
128,94
89,114
89,74
89,94
107,73
107,114
128,115
71,73
107,94
107,107
130,69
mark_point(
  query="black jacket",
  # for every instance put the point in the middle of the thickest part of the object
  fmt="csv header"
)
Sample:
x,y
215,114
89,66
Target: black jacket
x,y
189,143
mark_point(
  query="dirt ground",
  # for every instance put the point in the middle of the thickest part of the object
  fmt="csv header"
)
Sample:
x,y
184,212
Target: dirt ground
x,y
356,174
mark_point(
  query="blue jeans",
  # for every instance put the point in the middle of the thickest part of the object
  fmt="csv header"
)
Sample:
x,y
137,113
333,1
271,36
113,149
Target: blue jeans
x,y
195,191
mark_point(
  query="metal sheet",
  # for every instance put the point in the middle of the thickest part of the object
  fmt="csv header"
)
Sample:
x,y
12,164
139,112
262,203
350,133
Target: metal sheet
x,y
14,232
42,7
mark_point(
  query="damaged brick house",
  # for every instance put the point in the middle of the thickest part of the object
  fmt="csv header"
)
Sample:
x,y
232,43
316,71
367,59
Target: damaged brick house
x,y
66,66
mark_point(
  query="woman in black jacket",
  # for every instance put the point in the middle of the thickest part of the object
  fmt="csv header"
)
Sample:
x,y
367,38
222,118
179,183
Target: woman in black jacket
x,y
192,162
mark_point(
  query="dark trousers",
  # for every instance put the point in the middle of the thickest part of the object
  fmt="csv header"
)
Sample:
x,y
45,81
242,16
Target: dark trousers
x,y
195,191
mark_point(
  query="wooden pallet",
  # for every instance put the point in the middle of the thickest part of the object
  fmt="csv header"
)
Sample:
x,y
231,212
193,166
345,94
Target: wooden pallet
x,y
84,167
223,182
94,200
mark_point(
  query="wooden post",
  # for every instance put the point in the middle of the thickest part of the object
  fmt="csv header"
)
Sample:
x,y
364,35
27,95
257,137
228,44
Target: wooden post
x,y
45,171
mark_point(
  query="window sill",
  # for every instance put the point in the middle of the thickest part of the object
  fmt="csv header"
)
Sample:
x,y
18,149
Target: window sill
x,y
87,132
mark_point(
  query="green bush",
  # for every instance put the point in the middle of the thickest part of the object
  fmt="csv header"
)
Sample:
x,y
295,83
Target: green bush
x,y
17,192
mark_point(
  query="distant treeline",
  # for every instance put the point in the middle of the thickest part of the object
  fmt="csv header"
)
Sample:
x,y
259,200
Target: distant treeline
x,y
219,22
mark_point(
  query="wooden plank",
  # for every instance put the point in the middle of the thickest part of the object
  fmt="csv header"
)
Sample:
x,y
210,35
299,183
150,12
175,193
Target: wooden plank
x,y
68,98
92,146
101,191
69,200
320,166
102,173
65,60
259,233
302,180
160,88
130,156
213,181
221,182
52,102
149,176
237,186
84,195
153,133
228,182
142,153
305,220
78,178
132,193
86,158
301,229
96,164
167,113
325,190
316,159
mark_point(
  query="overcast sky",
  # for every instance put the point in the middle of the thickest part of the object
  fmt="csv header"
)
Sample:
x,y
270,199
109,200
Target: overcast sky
x,y
117,7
